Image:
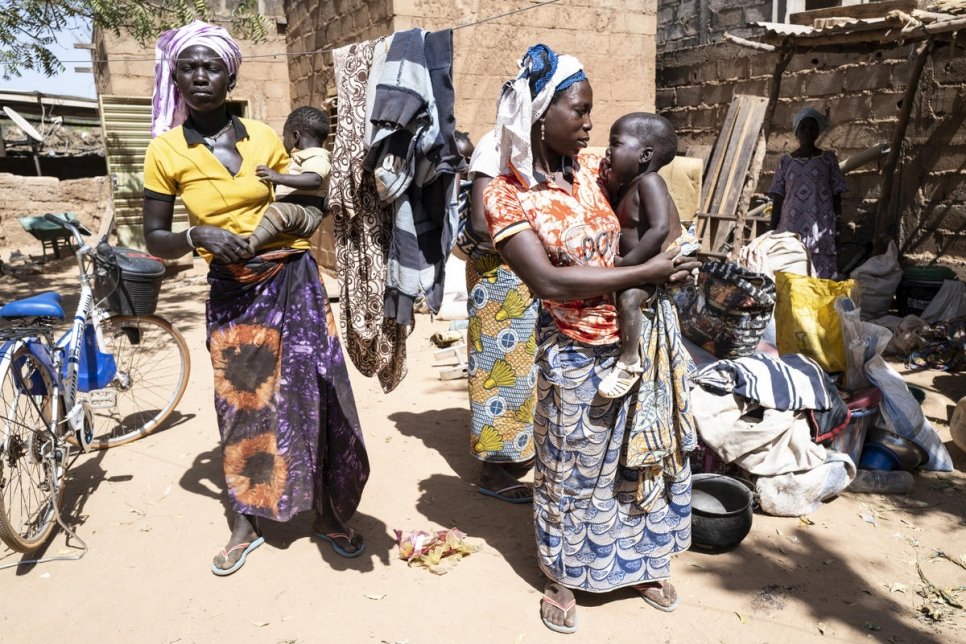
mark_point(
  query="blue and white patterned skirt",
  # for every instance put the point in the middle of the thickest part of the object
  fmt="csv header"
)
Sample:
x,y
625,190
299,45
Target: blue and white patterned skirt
x,y
591,535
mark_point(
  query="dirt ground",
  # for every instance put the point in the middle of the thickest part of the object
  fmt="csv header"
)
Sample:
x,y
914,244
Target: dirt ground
x,y
153,513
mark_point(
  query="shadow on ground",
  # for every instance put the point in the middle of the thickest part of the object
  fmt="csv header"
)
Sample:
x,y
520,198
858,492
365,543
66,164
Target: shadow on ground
x,y
454,502
206,477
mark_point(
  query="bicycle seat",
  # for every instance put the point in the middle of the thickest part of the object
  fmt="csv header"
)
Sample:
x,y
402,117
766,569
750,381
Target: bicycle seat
x,y
45,305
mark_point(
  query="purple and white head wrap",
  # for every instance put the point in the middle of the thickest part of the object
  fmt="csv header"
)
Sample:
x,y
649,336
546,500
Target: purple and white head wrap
x,y
168,110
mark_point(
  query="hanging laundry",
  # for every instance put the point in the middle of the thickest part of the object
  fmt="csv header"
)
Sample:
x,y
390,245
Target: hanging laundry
x,y
414,161
363,230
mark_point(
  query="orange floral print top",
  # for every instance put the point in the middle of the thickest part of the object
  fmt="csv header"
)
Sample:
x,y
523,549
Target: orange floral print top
x,y
576,230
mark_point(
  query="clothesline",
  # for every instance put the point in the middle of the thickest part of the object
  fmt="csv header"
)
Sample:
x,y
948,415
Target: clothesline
x,y
313,51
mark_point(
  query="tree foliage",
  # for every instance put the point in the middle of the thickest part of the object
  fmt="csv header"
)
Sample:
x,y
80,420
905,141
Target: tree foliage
x,y
28,28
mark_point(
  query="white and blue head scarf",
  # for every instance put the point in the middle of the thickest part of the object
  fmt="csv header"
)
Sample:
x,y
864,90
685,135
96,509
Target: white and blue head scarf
x,y
518,109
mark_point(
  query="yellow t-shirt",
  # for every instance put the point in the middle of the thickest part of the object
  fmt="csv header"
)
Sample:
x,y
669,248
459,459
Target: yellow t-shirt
x,y
179,163
317,160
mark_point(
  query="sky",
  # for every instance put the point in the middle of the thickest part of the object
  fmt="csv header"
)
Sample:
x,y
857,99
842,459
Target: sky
x,y
69,82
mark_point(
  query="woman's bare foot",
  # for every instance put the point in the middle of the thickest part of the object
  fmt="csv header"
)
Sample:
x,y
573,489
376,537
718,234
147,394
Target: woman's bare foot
x,y
496,478
659,594
245,530
558,608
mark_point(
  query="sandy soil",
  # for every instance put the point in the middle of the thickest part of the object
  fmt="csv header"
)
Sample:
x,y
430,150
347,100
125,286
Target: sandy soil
x,y
152,514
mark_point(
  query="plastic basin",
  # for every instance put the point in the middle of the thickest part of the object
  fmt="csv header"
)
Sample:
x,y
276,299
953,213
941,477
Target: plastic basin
x,y
877,457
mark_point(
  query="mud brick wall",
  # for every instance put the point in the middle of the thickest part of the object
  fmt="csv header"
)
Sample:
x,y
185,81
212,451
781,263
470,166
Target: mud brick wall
x,y
862,94
328,24
262,80
314,25
89,199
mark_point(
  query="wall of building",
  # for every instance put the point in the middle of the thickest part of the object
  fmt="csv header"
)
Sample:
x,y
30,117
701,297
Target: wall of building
x,y
127,67
689,23
314,25
614,39
862,94
89,199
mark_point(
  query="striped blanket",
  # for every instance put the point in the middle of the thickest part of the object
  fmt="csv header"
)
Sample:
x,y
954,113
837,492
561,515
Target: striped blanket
x,y
791,382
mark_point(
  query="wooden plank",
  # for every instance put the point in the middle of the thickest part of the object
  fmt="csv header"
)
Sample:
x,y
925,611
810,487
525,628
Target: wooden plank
x,y
736,180
733,188
717,157
743,121
707,228
735,147
746,223
723,235
868,10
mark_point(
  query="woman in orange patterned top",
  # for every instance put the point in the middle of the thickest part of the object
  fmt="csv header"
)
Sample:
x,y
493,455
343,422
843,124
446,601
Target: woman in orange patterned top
x,y
555,228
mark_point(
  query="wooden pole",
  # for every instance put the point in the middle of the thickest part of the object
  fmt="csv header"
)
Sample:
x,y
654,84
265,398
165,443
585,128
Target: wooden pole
x,y
751,44
887,210
787,52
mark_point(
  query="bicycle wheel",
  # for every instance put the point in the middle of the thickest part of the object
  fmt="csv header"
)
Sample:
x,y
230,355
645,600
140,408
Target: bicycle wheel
x,y
32,464
152,373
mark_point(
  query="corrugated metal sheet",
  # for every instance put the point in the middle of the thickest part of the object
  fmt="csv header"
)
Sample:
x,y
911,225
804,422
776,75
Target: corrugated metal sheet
x,y
824,26
127,131
784,28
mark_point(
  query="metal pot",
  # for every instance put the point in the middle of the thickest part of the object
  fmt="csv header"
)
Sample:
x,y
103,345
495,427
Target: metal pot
x,y
721,512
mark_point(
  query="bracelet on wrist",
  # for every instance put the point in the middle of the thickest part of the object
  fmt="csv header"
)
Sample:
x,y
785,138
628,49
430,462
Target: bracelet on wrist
x,y
187,237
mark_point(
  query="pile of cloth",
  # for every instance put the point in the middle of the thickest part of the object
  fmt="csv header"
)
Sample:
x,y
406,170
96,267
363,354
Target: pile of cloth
x,y
393,190
769,411
753,412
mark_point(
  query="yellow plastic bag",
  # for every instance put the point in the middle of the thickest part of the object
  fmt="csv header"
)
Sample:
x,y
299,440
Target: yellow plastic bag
x,y
806,321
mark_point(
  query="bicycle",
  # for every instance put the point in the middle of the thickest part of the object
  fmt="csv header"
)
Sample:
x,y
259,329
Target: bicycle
x,y
86,390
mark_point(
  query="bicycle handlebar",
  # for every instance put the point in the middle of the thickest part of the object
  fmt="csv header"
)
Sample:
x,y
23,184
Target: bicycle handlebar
x,y
74,227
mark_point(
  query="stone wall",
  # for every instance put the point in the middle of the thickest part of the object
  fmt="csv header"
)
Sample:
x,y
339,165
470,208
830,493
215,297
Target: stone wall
x,y
89,199
262,80
862,94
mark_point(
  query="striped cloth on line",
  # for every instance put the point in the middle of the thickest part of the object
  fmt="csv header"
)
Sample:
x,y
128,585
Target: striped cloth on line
x,y
790,382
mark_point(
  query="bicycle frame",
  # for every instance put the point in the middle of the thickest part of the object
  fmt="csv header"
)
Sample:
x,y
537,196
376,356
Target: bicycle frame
x,y
63,358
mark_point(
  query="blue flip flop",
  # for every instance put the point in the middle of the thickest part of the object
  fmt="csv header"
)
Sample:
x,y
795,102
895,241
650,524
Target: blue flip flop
x,y
339,550
499,494
224,572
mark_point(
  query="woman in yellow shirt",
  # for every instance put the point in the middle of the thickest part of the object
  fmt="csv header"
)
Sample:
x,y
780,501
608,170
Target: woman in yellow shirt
x,y
289,428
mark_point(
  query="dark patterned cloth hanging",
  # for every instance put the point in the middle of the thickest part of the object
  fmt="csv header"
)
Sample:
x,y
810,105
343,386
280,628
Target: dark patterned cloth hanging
x,y
363,230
